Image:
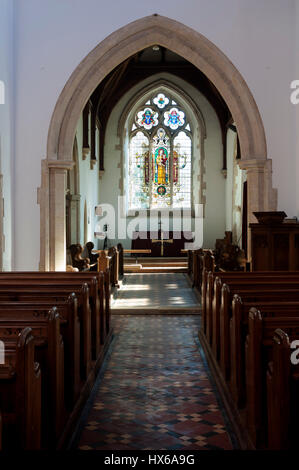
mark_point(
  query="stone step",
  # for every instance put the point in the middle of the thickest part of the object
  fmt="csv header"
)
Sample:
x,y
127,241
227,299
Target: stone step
x,y
196,310
137,268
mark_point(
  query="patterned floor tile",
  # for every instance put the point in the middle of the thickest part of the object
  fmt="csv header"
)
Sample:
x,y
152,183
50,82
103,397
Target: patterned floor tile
x,y
156,392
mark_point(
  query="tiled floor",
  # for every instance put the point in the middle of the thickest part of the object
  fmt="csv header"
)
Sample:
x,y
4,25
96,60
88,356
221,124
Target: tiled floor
x,y
155,392
155,291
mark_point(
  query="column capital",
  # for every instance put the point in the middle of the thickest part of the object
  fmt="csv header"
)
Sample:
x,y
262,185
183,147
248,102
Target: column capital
x,y
253,164
60,164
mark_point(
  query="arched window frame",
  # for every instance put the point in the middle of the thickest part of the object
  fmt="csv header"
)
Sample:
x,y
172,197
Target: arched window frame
x,y
199,135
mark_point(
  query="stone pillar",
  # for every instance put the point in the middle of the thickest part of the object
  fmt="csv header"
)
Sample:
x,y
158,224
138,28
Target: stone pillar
x,y
43,201
74,222
260,194
56,170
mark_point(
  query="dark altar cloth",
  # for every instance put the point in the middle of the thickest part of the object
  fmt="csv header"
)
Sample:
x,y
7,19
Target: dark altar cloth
x,y
143,241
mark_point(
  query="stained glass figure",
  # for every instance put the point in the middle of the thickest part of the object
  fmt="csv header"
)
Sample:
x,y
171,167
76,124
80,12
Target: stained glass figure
x,y
161,166
161,138
147,118
161,101
174,118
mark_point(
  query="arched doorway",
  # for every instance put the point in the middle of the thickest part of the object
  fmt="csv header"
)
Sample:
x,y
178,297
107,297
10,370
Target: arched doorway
x,y
92,70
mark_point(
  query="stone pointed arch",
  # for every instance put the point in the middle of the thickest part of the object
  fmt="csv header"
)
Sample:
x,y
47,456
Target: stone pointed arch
x,y
113,50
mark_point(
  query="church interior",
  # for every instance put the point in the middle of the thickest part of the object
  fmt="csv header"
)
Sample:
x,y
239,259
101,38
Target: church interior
x,y
149,233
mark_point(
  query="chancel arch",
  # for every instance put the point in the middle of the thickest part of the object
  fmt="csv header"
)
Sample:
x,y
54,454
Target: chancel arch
x,y
115,49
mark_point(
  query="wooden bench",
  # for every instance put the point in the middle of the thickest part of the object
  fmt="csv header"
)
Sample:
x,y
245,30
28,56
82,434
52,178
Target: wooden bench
x,y
208,278
215,320
97,291
258,354
239,331
260,293
35,291
60,283
24,298
49,353
103,280
238,352
20,392
31,311
282,395
199,260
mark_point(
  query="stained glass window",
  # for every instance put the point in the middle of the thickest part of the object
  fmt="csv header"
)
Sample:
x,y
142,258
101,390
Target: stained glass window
x,y
159,170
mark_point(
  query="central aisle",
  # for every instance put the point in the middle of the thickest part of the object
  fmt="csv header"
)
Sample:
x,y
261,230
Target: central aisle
x,y
156,293
155,392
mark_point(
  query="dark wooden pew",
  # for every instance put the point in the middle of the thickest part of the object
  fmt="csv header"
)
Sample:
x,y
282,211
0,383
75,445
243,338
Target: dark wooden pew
x,y
59,283
22,289
261,293
224,330
49,350
232,279
236,276
31,312
239,331
55,293
20,394
282,395
97,301
201,260
213,318
258,354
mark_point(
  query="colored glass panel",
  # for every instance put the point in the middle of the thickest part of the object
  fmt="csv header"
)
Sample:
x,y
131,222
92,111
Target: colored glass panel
x,y
174,118
147,118
161,101
138,172
182,171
